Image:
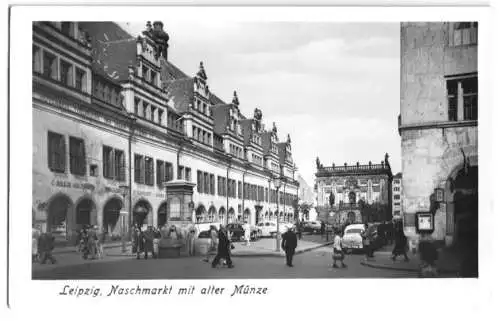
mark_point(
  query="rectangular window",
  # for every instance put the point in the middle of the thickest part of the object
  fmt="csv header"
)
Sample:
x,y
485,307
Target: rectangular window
x,y
469,88
206,183
212,184
180,170
137,103
266,195
188,174
149,168
169,172
145,75
77,156
57,152
36,59
239,189
107,162
199,181
153,78
139,169
452,88
66,28
145,109
119,165
80,80
66,74
49,65
160,116
160,173
397,197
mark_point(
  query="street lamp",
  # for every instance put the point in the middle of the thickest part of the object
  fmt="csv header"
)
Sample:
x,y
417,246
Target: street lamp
x,y
277,184
124,191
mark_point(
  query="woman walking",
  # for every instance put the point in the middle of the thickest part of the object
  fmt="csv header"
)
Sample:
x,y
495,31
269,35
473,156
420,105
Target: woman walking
x,y
213,243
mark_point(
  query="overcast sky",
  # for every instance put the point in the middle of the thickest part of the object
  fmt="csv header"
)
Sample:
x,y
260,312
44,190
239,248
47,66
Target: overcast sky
x,y
334,87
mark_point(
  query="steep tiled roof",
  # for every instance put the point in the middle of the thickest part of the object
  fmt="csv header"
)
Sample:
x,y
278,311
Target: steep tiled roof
x,y
180,93
104,31
170,72
216,100
115,57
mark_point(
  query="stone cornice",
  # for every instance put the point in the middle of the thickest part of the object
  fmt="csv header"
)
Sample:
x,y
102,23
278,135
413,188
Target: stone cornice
x,y
439,125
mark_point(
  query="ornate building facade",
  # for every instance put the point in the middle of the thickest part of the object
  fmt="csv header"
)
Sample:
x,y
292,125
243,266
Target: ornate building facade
x,y
122,136
438,127
343,192
396,194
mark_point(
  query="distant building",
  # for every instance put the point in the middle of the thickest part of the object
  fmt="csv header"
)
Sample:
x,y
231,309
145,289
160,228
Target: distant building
x,y
306,195
438,127
342,191
396,194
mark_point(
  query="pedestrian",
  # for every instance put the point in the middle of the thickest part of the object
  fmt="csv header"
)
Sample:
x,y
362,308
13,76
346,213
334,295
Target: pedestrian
x,y
212,249
190,240
35,235
289,244
156,242
322,228
101,235
139,241
45,248
428,255
338,253
92,242
223,249
246,228
400,244
366,236
148,237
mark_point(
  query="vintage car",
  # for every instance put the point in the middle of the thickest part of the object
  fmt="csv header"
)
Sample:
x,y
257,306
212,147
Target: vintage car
x,y
268,228
352,239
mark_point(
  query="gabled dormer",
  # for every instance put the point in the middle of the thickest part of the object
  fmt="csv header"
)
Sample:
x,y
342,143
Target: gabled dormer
x,y
227,124
252,135
201,93
270,149
152,47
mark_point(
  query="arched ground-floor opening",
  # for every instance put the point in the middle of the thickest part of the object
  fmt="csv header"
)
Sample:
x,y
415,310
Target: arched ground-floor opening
x,y
111,218
212,214
231,215
141,213
201,214
246,215
222,214
60,220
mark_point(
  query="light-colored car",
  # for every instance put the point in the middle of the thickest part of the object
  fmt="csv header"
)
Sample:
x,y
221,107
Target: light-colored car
x,y
268,228
352,239
312,227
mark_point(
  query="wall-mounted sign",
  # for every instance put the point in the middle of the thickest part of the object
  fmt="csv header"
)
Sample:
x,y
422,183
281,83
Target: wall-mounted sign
x,y
68,184
424,222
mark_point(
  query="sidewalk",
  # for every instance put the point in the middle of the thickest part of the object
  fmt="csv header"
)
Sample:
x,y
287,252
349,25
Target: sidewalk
x,y
447,263
267,246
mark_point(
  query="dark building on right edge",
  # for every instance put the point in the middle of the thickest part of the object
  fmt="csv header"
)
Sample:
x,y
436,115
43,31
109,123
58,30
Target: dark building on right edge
x,y
438,128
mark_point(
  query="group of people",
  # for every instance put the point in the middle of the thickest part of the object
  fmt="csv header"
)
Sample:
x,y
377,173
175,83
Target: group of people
x,y
145,241
90,242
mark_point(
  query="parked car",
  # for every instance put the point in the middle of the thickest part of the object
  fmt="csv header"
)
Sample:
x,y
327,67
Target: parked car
x,y
238,232
352,239
312,227
268,228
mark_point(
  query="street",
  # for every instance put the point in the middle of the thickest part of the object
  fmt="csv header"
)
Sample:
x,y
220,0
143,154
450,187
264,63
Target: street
x,y
312,264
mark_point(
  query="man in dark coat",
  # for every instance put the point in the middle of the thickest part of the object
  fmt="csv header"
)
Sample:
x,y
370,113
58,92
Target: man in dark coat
x,y
45,247
223,249
288,244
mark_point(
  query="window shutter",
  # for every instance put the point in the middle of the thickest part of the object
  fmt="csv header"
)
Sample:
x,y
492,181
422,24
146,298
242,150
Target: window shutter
x,y
142,173
62,153
83,158
122,166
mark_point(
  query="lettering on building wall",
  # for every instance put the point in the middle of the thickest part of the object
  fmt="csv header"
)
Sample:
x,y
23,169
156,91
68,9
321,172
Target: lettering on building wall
x,y
76,185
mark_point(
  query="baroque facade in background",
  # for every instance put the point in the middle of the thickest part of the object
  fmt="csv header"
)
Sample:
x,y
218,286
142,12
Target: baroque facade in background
x,y
119,129
354,193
